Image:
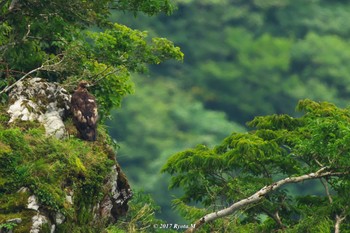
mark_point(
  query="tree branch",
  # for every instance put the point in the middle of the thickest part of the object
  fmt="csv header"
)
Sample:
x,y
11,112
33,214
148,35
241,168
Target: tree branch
x,y
325,185
6,89
42,67
12,5
259,195
275,216
338,221
338,218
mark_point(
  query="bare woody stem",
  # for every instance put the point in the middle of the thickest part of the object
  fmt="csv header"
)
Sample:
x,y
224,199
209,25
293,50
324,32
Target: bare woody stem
x,y
23,77
338,221
42,67
259,195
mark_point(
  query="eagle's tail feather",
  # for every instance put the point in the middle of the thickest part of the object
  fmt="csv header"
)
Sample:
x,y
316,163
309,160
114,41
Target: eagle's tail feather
x,y
88,134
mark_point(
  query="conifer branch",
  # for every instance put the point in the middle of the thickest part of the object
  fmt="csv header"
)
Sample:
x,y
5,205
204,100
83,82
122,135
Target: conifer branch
x,y
259,195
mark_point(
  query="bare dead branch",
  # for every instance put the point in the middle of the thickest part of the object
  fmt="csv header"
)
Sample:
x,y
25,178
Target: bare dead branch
x,y
6,89
42,67
278,219
318,163
259,195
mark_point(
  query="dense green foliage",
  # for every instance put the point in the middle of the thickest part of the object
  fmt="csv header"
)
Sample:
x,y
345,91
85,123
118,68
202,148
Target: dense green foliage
x,y
250,58
51,169
66,42
246,58
279,146
159,120
140,217
54,36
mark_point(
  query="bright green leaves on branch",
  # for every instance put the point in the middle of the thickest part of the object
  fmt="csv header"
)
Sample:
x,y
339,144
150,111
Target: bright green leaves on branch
x,y
114,83
149,7
280,146
121,45
327,137
117,52
57,36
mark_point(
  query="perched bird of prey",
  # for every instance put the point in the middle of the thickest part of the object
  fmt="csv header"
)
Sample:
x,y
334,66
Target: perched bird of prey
x,y
84,109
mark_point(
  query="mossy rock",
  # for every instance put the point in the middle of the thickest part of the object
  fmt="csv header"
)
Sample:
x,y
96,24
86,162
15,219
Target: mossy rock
x,y
52,170
26,220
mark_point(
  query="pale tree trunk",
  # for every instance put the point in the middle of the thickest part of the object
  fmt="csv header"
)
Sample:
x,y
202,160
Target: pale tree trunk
x,y
338,221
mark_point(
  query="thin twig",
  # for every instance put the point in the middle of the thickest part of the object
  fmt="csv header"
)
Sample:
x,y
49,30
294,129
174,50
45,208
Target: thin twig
x,y
27,34
23,77
5,46
318,162
42,67
104,76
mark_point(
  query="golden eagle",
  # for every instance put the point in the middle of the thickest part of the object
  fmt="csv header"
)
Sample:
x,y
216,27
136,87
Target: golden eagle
x,y
84,110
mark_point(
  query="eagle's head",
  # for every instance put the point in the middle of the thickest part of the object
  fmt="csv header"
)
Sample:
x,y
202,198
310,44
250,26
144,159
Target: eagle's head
x,y
83,84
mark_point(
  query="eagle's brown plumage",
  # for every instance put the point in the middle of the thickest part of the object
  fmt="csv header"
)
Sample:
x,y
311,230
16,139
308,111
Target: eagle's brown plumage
x,y
84,110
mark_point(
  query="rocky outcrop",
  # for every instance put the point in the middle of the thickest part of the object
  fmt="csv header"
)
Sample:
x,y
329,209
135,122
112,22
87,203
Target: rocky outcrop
x,y
110,209
37,100
115,204
66,184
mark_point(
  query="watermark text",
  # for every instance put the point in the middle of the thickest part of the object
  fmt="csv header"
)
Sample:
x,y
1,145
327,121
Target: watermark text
x,y
173,226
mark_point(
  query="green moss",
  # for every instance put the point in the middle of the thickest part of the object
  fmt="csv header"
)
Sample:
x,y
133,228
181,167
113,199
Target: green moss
x,y
27,125
51,169
74,228
12,203
4,117
4,149
24,215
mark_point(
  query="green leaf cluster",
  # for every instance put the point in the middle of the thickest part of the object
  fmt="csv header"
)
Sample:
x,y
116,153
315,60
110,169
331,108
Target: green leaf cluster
x,y
150,7
250,58
159,120
279,146
63,39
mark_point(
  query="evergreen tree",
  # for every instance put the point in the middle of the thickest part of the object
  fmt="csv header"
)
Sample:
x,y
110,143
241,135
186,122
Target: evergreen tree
x,y
241,183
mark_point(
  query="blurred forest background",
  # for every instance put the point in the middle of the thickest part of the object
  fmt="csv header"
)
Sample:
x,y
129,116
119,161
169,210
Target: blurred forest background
x,y
243,58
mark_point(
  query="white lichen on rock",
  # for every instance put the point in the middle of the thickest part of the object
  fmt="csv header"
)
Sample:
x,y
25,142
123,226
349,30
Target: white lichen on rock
x,y
37,222
32,203
59,218
35,99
